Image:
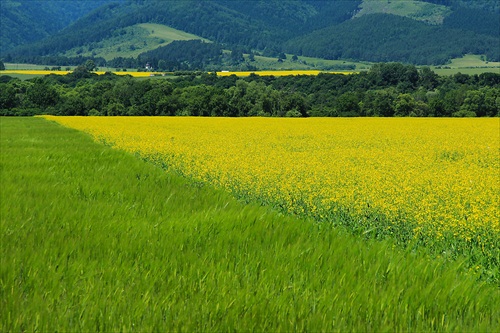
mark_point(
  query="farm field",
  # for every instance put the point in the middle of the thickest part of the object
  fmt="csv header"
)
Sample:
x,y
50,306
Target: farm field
x,y
469,64
96,239
34,73
432,183
282,72
28,72
471,60
304,63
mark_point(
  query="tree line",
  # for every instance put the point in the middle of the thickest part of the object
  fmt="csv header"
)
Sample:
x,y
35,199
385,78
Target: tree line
x,y
387,90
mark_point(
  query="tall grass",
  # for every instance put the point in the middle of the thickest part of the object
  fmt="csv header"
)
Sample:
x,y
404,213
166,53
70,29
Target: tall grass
x,y
94,239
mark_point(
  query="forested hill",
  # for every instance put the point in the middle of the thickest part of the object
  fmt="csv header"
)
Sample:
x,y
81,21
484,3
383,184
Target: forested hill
x,y
323,29
25,21
394,38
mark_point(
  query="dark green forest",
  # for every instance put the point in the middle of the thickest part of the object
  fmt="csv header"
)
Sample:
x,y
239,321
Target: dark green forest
x,y
26,21
422,44
387,90
476,20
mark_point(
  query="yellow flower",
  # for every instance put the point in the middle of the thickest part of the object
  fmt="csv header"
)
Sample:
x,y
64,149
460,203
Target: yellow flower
x,y
440,176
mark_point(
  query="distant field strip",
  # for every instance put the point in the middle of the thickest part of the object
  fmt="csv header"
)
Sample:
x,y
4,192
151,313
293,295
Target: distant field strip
x,y
428,181
282,73
148,74
47,72
33,72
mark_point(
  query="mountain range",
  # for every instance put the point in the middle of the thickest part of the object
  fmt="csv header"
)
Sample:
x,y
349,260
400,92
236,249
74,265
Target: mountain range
x,y
418,32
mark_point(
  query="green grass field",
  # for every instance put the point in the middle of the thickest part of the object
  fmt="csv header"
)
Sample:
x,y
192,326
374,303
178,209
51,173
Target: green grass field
x,y
95,239
305,63
15,66
417,10
468,64
470,61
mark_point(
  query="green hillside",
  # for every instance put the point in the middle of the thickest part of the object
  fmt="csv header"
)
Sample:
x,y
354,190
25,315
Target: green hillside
x,y
395,39
132,41
417,10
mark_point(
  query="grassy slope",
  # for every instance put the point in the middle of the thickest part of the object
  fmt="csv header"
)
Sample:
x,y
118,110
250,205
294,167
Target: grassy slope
x,y
417,10
471,60
468,64
135,40
167,33
96,239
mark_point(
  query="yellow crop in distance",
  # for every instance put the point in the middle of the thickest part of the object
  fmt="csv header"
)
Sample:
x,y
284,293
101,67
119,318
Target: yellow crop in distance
x,y
148,74
281,73
135,74
33,72
47,72
438,178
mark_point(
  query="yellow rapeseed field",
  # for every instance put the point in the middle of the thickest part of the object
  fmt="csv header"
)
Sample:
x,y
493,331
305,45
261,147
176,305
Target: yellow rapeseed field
x,y
148,74
47,72
135,74
281,72
429,180
34,72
